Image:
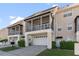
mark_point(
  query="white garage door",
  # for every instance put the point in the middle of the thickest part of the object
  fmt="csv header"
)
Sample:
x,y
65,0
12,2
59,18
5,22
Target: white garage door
x,y
40,40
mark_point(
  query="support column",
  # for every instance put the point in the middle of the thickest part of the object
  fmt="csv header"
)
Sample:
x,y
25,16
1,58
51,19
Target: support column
x,y
41,22
8,39
19,29
49,34
50,20
24,26
15,30
31,25
77,36
18,38
26,40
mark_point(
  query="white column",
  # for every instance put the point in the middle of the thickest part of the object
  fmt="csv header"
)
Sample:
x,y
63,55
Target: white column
x,y
26,40
31,24
50,20
41,22
49,40
19,29
18,38
8,39
24,26
15,30
76,48
77,36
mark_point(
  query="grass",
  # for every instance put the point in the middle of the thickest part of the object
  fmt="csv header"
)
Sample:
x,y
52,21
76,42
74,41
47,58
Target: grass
x,y
57,52
6,49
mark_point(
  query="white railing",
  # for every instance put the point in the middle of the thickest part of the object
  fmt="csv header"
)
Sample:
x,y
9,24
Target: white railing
x,y
38,27
14,32
45,26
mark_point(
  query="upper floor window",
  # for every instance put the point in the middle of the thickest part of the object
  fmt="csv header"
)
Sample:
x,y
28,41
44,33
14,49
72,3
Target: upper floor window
x,y
67,14
59,29
69,28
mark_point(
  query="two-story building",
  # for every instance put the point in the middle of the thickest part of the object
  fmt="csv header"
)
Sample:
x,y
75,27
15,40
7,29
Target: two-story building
x,y
16,31
67,21
41,28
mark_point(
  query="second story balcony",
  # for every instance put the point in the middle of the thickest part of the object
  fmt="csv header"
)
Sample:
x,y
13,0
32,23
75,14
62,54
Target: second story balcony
x,y
15,30
15,33
38,27
39,23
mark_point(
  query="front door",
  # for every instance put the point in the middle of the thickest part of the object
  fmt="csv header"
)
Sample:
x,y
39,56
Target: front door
x,y
58,41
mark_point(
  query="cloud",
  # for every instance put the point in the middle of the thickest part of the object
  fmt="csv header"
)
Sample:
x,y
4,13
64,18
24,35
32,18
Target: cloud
x,y
15,19
54,5
12,17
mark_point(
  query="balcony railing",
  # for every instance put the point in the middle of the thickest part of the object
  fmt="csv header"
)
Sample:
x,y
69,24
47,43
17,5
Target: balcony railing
x,y
38,27
14,33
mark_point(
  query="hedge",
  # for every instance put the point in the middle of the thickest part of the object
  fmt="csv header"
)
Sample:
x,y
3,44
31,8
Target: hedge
x,y
21,43
53,44
67,45
4,40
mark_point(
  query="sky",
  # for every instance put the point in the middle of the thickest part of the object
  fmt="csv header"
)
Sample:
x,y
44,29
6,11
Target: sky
x,y
13,12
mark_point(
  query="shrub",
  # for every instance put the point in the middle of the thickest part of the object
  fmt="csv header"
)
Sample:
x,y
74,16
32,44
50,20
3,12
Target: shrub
x,y
67,45
21,43
53,44
4,40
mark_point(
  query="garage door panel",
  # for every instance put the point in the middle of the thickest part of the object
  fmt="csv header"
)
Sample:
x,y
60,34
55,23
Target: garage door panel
x,y
40,41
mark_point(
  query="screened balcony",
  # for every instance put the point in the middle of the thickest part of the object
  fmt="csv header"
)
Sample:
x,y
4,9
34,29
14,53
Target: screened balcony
x,y
39,23
15,30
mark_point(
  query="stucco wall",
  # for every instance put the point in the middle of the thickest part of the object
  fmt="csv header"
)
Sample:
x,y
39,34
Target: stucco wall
x,y
64,22
3,33
76,48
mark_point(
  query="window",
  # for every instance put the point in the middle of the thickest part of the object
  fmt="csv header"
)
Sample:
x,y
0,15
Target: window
x,y
67,14
59,29
59,37
69,28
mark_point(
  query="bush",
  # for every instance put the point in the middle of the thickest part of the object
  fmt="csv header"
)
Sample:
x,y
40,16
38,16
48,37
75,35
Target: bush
x,y
67,45
4,40
21,43
53,44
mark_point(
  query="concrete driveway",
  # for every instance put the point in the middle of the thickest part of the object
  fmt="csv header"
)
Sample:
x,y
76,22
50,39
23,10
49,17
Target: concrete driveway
x,y
28,51
2,53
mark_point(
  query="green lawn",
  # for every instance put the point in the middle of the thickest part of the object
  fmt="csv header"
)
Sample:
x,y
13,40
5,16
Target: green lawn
x,y
6,49
57,52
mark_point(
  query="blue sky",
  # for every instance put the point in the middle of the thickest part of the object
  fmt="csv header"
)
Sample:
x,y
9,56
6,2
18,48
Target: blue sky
x,y
10,11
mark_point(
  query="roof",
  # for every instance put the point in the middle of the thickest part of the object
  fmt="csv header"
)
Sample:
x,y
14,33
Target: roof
x,y
33,15
39,13
17,23
68,8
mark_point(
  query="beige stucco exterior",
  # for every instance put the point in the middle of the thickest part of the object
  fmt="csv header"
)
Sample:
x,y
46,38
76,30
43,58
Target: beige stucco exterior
x,y
64,22
56,20
4,33
16,37
34,22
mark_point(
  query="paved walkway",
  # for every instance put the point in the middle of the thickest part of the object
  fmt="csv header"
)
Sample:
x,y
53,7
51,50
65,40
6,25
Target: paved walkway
x,y
28,51
5,54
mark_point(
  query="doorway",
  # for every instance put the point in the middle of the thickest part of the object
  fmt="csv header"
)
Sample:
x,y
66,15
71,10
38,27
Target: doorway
x,y
58,41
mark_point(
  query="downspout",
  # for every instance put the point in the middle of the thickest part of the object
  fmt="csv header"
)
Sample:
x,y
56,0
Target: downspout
x,y
54,24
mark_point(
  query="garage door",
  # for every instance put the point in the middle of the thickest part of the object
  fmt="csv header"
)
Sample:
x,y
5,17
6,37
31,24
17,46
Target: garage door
x,y
40,40
13,39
